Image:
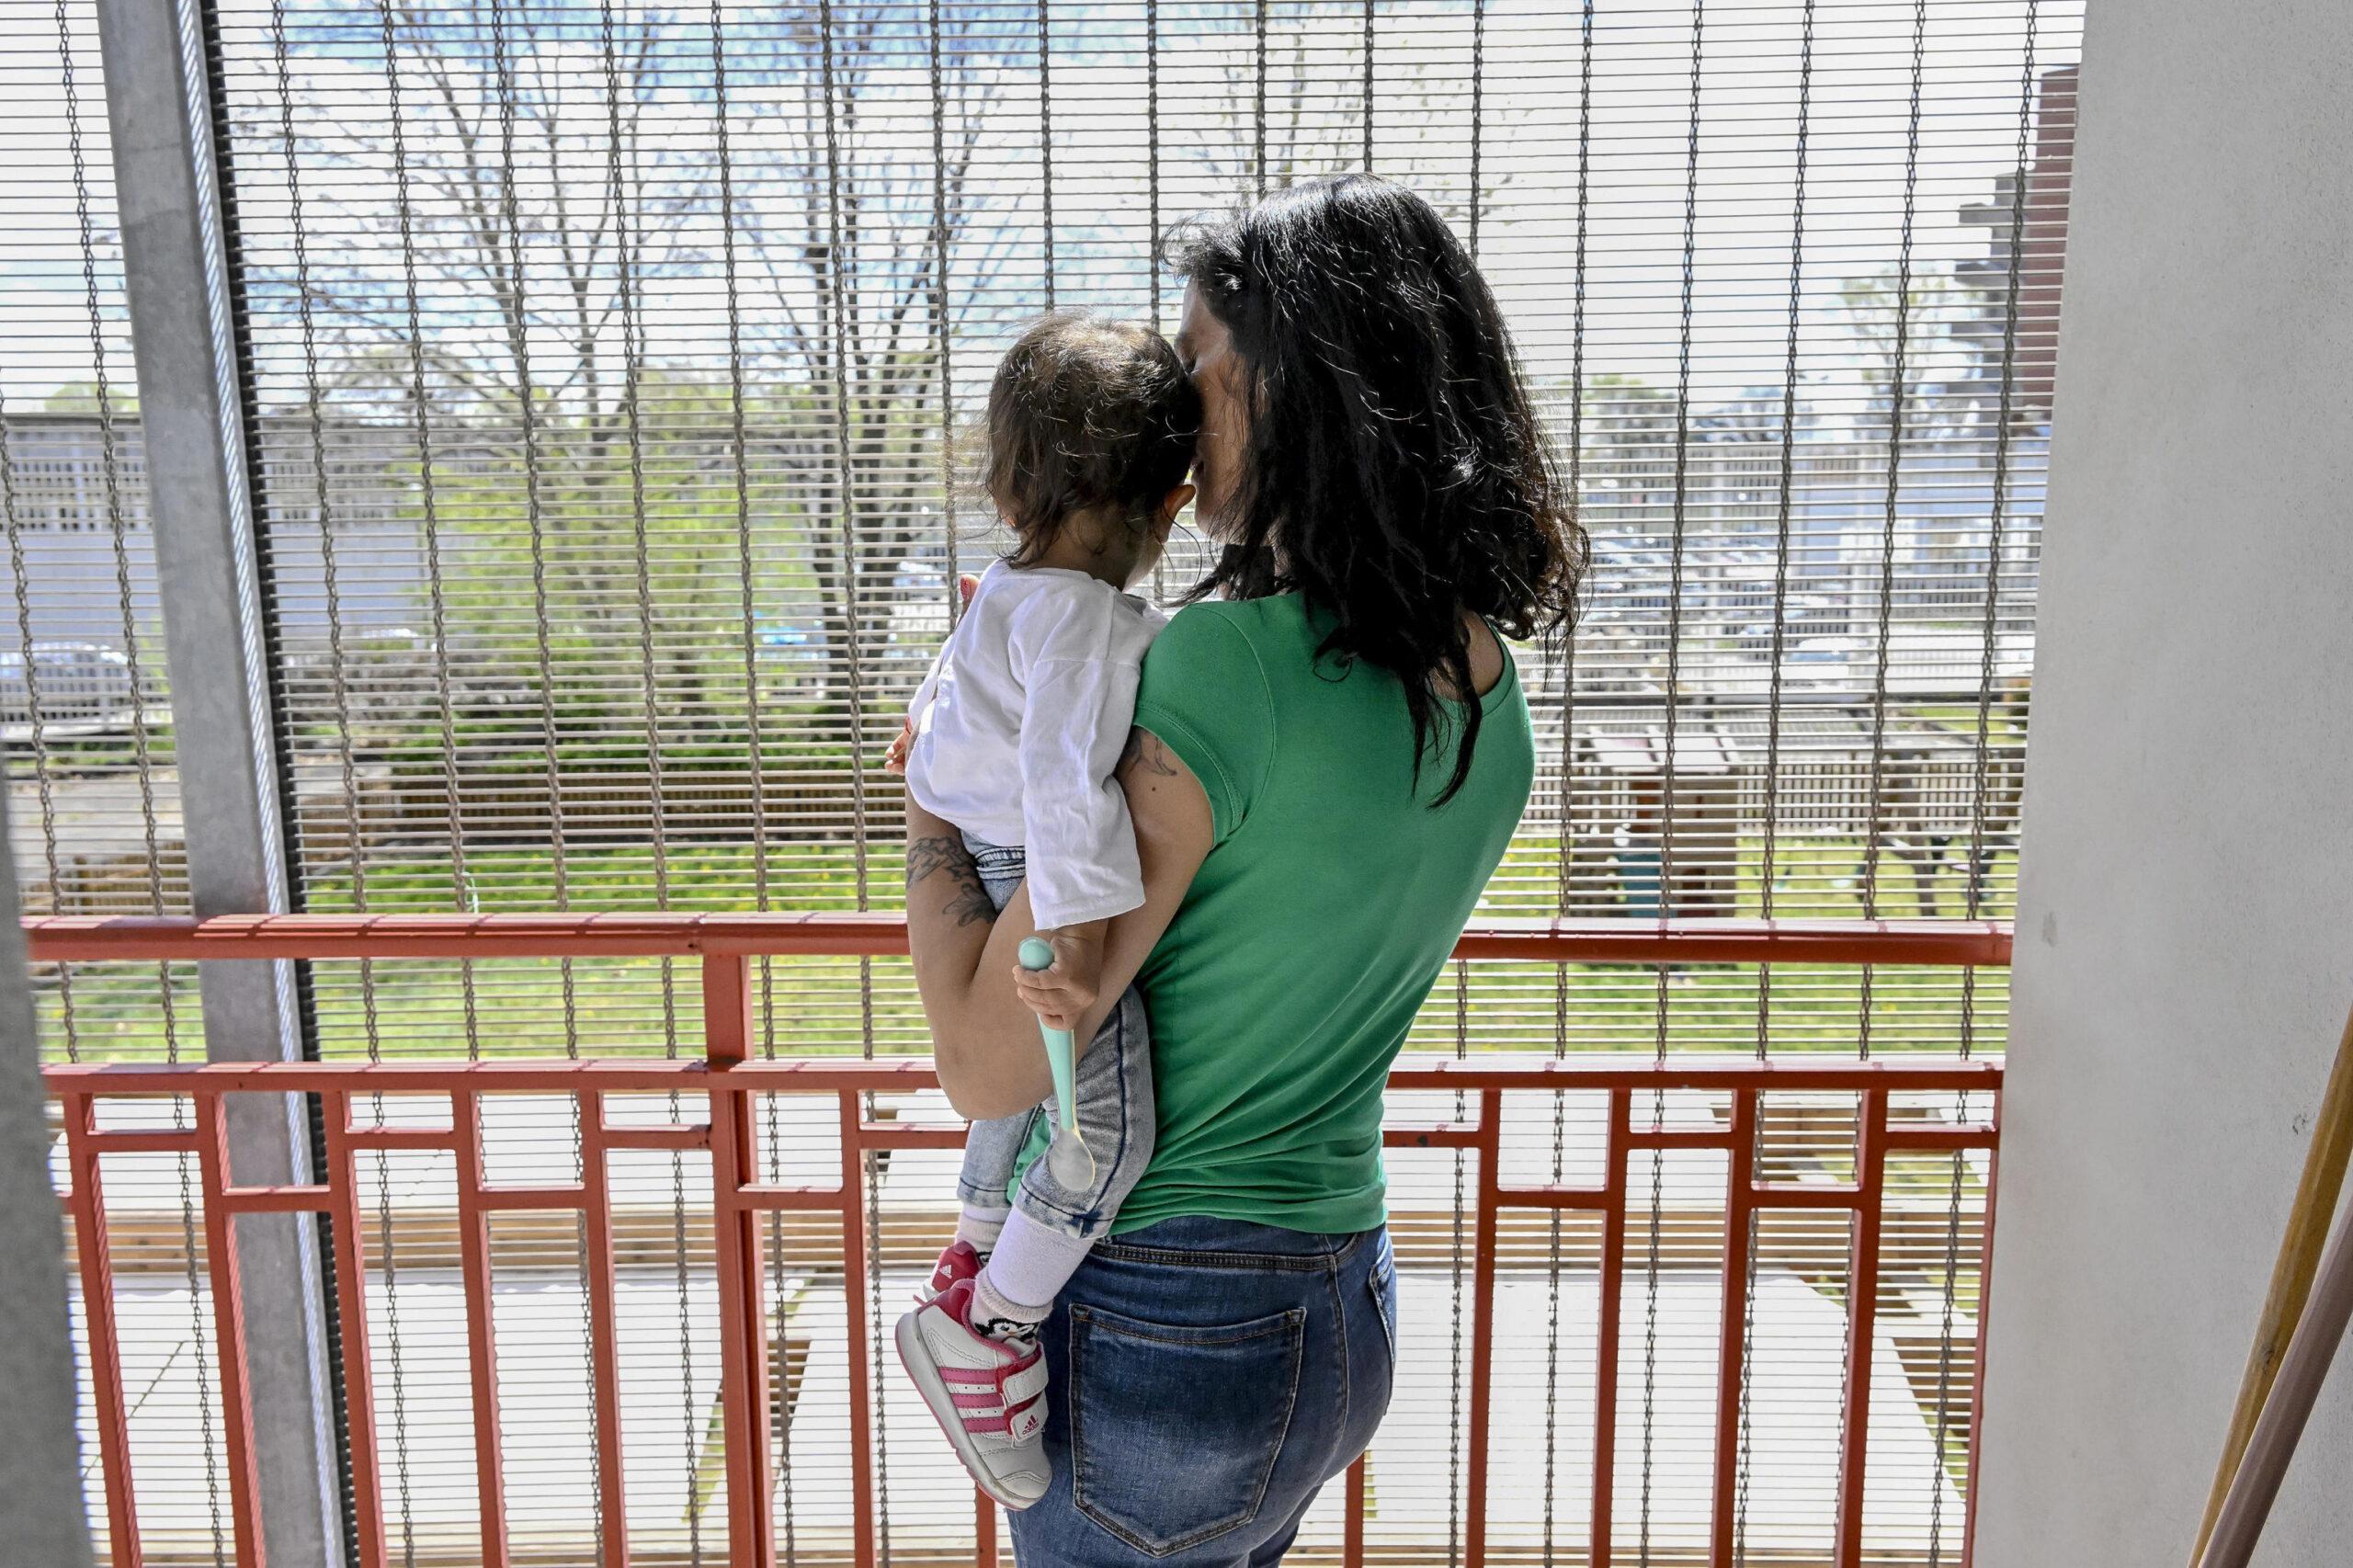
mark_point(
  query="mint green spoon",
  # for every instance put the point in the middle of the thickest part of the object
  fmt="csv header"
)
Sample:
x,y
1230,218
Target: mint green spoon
x,y
1068,1158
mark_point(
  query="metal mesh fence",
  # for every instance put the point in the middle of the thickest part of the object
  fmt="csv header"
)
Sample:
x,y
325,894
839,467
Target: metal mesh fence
x,y
84,703
614,367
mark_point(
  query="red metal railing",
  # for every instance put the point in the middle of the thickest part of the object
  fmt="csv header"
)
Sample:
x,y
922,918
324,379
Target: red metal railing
x,y
732,1083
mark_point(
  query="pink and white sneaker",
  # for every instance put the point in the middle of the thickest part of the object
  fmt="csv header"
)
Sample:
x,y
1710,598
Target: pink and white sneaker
x,y
958,1260
986,1393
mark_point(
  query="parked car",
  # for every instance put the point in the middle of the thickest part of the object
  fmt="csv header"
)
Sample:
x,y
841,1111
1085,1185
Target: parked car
x,y
1826,662
73,681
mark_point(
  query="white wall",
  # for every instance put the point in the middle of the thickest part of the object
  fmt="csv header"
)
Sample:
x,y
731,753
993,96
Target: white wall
x,y
2185,955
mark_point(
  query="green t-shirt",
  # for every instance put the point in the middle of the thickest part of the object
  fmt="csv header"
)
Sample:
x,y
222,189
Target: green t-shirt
x,y
1327,907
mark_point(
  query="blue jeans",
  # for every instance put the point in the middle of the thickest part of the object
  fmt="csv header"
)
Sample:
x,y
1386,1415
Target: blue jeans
x,y
1113,1088
1208,1376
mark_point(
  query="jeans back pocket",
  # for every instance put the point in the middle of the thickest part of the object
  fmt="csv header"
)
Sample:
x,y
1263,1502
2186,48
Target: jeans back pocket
x,y
1175,1431
1382,1279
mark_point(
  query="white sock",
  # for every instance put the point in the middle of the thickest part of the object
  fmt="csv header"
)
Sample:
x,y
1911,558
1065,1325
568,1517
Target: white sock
x,y
979,1226
993,1314
1027,1271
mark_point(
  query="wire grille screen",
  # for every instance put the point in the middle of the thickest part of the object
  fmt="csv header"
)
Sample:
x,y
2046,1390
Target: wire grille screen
x,y
614,368
638,351
94,805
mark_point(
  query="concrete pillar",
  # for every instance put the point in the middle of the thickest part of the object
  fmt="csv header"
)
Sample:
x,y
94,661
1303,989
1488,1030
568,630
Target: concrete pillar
x,y
2185,938
207,571
41,1517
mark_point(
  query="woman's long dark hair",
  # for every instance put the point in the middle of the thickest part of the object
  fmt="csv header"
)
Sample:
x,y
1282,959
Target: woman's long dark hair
x,y
1395,472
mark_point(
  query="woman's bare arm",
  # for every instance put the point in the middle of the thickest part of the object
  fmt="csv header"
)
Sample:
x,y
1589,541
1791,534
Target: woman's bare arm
x,y
984,1037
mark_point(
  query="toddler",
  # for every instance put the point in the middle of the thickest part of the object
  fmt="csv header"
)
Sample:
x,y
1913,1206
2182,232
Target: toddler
x,y
1013,738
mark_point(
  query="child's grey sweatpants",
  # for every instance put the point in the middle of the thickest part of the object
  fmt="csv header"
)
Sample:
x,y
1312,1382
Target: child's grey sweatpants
x,y
1115,1109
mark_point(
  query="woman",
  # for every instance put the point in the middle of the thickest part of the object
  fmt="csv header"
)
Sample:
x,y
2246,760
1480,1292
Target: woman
x,y
1327,763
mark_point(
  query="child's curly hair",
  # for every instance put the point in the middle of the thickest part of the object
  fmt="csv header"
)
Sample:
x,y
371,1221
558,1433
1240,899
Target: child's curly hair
x,y
1086,416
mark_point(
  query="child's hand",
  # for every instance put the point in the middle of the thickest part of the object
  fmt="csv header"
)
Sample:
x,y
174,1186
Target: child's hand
x,y
895,759
1061,995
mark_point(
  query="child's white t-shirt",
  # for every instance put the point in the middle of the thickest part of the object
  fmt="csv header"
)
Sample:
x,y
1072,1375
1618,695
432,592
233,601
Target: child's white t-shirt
x,y
1018,727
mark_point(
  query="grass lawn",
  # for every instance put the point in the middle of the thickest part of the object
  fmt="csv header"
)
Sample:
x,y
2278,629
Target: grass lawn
x,y
837,1006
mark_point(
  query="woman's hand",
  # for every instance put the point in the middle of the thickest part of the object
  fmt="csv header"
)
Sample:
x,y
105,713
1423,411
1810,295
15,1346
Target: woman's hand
x,y
984,1038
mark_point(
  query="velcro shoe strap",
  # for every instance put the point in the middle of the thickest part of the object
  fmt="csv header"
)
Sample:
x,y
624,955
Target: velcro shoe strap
x,y
1025,1383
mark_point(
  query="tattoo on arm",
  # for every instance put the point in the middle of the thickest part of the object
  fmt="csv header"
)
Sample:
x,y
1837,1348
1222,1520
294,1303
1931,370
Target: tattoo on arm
x,y
970,902
1145,754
